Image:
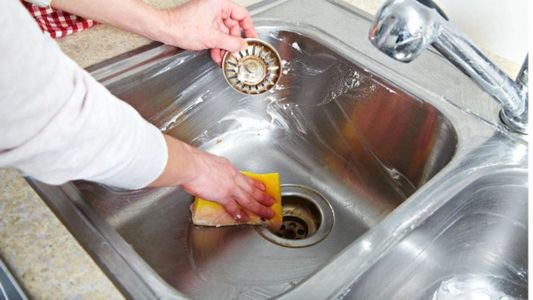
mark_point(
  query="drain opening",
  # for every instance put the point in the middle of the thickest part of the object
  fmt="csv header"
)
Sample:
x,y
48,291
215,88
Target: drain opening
x,y
293,228
301,218
307,218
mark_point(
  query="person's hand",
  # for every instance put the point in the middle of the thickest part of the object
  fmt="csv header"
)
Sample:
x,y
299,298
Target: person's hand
x,y
214,178
195,25
208,24
217,180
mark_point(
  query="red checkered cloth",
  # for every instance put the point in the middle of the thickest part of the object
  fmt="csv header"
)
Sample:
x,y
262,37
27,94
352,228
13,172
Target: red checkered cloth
x,y
56,23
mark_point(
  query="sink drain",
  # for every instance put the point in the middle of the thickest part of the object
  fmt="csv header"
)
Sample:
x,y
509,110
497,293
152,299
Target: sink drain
x,y
301,218
293,228
307,218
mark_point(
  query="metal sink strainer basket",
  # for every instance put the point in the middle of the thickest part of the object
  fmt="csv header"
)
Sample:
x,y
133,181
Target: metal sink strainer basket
x,y
254,70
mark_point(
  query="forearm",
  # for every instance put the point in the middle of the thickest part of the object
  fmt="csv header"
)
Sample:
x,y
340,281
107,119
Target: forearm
x,y
58,124
181,165
130,15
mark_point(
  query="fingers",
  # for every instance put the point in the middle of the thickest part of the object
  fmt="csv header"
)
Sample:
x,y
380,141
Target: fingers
x,y
235,210
248,28
230,27
245,181
227,42
230,23
256,190
235,31
216,56
250,204
241,15
221,25
235,21
257,184
262,197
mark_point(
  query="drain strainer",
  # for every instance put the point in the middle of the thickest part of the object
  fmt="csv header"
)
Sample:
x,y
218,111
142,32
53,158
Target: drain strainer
x,y
253,70
307,218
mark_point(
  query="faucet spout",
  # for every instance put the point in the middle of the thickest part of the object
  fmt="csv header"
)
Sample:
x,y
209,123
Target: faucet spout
x,y
403,29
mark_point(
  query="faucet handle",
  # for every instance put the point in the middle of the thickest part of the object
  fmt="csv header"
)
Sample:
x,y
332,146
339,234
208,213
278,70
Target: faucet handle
x,y
432,4
522,78
403,29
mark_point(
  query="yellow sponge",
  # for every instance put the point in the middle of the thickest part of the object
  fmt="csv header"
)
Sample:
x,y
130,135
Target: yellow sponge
x,y
208,213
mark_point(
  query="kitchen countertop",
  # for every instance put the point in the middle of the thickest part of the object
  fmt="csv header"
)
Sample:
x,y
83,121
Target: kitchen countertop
x,y
41,253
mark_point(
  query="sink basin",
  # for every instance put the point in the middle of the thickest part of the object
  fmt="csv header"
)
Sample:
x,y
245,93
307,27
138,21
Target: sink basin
x,y
473,246
372,155
329,127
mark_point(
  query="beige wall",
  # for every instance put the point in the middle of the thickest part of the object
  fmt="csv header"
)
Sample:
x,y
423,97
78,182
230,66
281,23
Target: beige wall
x,y
495,25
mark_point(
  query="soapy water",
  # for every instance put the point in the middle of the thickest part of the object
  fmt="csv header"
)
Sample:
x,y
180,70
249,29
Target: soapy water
x,y
280,115
313,83
337,79
320,76
337,82
286,115
310,81
184,111
469,287
177,61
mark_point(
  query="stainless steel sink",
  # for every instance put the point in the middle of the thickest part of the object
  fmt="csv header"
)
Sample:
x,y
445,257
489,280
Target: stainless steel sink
x,y
475,245
323,129
373,155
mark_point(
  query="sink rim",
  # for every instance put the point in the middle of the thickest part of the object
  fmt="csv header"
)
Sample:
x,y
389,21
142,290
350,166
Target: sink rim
x,y
300,31
360,255
510,183
143,280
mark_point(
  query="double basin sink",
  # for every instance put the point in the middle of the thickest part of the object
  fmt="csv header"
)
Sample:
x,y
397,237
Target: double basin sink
x,y
397,180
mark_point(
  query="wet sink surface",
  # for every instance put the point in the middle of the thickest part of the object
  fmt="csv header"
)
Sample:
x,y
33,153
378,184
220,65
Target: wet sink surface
x,y
473,247
391,158
328,126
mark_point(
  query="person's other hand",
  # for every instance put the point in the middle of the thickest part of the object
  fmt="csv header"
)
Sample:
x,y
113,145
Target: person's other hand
x,y
217,180
214,178
208,24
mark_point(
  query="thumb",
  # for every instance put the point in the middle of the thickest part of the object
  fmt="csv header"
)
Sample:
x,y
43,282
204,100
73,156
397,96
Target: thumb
x,y
227,42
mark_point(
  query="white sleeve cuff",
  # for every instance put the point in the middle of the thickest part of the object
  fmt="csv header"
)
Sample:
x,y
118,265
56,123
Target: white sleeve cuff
x,y
40,3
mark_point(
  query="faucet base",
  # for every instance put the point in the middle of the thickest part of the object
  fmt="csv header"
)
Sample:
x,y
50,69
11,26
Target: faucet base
x,y
515,124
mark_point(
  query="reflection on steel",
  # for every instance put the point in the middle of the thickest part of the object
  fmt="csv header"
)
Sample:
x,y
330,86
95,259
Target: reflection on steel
x,y
403,29
475,245
404,155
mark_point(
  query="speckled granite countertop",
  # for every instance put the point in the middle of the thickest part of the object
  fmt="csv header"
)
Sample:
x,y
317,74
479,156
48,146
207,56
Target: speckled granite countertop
x,y
46,259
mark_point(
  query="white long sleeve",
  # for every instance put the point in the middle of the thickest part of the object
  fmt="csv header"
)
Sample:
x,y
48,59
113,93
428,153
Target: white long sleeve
x,y
41,3
58,124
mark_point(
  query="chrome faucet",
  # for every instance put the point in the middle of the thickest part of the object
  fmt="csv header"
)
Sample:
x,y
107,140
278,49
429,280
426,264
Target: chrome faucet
x,y
404,28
